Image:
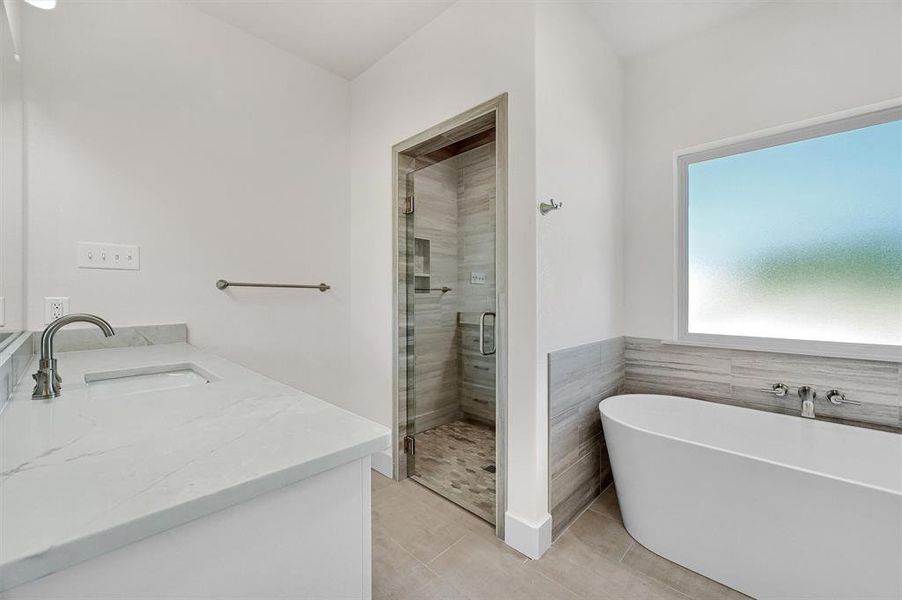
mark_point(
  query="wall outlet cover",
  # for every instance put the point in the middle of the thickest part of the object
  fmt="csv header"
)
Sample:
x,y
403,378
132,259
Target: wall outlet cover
x,y
54,308
477,277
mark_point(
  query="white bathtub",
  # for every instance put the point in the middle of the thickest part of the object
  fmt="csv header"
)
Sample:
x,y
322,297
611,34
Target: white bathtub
x,y
774,506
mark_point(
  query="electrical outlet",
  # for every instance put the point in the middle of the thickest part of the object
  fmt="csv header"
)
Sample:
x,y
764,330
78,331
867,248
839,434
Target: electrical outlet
x,y
99,255
477,277
54,308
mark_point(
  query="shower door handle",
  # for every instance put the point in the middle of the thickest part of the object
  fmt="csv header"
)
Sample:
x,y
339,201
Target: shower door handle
x,y
482,349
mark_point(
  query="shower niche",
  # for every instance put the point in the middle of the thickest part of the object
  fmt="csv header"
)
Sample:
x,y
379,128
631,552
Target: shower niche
x,y
421,265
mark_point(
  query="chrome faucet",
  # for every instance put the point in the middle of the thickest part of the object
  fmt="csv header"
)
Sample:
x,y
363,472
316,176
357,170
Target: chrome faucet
x,y
48,382
807,394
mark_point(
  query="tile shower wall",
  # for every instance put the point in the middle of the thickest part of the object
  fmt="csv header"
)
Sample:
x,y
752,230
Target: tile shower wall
x,y
437,345
476,253
477,372
578,379
737,376
476,232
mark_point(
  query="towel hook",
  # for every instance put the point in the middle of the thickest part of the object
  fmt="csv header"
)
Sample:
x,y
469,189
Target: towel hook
x,y
547,207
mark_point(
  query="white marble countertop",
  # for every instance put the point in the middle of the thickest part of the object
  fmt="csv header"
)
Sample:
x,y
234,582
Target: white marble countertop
x,y
83,474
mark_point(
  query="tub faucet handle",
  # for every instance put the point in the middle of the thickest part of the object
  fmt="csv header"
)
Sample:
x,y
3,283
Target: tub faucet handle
x,y
778,389
838,398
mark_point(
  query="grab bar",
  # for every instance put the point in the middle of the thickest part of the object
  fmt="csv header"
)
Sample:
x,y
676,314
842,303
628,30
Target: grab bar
x,y
222,284
442,289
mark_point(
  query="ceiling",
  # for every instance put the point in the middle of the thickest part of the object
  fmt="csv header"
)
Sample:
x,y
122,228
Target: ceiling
x,y
640,26
345,37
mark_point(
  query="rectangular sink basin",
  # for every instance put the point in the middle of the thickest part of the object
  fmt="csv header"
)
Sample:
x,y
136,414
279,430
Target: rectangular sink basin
x,y
146,379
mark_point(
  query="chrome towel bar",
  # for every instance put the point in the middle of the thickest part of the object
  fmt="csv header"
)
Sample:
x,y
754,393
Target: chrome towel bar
x,y
223,284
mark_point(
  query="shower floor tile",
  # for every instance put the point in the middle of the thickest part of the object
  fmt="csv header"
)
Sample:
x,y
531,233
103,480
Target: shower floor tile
x,y
457,460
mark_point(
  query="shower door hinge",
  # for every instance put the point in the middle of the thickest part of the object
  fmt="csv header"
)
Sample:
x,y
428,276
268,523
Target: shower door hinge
x,y
408,205
410,445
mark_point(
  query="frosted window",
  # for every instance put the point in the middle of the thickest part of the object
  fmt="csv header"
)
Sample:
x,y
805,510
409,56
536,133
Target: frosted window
x,y
801,240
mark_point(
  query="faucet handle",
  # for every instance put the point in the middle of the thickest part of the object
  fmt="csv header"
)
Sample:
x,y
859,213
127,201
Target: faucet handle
x,y
778,389
837,397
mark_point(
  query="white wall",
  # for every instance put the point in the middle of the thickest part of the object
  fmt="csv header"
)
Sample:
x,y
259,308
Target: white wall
x,y
579,117
220,155
469,54
778,64
12,283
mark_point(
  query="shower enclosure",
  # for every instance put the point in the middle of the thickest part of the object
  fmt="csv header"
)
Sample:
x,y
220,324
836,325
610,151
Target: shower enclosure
x,y
448,314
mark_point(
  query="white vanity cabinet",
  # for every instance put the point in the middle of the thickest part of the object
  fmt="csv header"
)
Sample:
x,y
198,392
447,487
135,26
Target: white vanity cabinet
x,y
237,488
307,540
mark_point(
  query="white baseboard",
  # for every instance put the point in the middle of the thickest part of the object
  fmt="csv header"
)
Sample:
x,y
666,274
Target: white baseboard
x,y
382,463
531,539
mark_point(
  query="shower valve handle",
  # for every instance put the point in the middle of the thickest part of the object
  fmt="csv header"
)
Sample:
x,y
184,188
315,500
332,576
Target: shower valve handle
x,y
778,389
837,397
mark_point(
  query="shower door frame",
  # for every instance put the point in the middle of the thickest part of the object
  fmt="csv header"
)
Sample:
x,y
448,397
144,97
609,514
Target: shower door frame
x,y
400,165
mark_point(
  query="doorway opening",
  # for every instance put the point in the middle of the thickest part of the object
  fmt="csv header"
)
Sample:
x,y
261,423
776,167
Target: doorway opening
x,y
450,205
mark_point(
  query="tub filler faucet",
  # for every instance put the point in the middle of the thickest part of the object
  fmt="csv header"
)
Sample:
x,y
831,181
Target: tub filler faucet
x,y
48,383
807,394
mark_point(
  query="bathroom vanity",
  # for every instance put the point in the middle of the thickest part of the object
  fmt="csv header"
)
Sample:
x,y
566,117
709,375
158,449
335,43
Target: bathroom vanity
x,y
165,471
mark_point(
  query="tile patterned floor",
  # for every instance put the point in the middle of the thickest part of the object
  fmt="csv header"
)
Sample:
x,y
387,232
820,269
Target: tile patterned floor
x,y
451,460
425,547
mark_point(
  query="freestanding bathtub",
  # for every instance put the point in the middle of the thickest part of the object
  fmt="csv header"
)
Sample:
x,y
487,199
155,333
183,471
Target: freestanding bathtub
x,y
771,505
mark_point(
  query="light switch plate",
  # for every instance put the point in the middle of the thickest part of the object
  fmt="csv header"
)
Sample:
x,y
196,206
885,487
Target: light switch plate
x,y
477,277
99,255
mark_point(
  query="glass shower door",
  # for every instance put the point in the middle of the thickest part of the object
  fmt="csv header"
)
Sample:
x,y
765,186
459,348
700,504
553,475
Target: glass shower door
x,y
431,272
449,280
